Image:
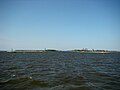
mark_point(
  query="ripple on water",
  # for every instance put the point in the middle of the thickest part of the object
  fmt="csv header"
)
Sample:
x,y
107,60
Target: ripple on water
x,y
20,83
78,80
70,87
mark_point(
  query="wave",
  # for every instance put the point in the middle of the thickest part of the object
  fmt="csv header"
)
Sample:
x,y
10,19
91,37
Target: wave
x,y
21,83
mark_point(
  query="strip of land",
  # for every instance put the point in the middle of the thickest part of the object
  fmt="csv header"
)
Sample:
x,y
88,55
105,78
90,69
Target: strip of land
x,y
53,50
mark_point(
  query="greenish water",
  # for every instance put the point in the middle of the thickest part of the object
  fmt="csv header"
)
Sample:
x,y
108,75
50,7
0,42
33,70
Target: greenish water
x,y
59,71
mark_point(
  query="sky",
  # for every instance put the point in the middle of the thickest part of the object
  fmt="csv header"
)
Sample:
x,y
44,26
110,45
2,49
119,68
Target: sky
x,y
60,24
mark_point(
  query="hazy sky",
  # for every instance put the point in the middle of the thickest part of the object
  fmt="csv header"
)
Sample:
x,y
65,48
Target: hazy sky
x,y
60,24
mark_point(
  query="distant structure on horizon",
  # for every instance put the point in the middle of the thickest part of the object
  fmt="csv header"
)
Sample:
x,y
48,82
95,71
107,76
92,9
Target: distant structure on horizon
x,y
12,50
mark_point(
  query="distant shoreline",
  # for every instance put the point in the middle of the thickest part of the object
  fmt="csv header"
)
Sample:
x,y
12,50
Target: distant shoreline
x,y
52,50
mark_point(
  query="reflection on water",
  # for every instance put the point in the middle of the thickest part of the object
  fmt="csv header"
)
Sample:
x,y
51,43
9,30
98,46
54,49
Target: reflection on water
x,y
59,71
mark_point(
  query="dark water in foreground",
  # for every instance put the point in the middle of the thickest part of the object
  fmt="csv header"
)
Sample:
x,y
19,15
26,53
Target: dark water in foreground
x,y
59,71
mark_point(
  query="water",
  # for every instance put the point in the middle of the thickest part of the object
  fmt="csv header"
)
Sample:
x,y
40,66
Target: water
x,y
59,71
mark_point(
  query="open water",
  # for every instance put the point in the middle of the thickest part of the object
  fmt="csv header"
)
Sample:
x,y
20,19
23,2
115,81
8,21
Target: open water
x,y
59,71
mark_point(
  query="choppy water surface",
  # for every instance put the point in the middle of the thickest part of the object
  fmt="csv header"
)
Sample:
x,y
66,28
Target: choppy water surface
x,y
59,71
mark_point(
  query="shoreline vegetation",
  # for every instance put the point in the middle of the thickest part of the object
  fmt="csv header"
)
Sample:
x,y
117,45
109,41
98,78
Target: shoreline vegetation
x,y
54,50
